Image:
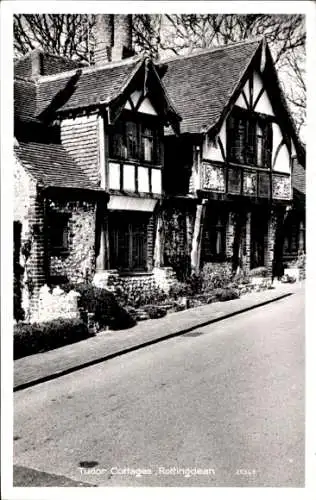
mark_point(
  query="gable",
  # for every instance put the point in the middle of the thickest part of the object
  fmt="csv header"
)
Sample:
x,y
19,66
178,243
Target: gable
x,y
140,103
202,83
254,96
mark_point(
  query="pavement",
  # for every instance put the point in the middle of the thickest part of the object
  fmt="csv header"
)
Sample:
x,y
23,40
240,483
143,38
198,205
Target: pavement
x,y
42,367
220,406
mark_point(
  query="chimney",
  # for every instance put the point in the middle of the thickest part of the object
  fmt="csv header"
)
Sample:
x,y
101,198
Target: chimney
x,y
123,25
104,38
113,37
36,63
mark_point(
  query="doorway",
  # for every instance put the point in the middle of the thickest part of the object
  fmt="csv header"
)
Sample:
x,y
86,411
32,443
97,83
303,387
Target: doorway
x,y
259,231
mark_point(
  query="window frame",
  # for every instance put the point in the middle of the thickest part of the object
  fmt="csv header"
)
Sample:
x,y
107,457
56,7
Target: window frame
x,y
128,231
118,134
59,220
244,149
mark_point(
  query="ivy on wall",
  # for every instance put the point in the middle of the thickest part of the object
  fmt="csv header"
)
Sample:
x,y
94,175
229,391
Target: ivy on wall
x,y
175,250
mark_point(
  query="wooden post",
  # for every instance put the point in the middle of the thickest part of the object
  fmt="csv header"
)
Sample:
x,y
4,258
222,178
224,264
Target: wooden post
x,y
197,237
102,164
103,258
301,245
159,243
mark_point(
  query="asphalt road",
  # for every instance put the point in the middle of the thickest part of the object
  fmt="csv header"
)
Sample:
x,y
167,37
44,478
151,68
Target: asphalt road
x,y
220,406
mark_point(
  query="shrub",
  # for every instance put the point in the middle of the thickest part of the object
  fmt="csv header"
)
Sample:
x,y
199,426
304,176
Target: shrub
x,y
259,272
179,289
226,294
138,296
104,306
39,337
298,263
195,284
18,311
181,264
216,276
154,311
242,278
288,279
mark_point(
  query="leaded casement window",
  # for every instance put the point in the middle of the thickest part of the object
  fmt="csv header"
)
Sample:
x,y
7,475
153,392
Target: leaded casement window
x,y
58,226
249,139
214,237
128,241
135,138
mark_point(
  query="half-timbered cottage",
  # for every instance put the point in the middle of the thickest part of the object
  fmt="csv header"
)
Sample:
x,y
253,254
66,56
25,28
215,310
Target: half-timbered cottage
x,y
235,154
132,169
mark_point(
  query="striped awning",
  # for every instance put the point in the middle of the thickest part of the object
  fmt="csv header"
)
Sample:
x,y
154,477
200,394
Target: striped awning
x,y
132,204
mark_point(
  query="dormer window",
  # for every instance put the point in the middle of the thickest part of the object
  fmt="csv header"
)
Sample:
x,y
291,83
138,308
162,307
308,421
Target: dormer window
x,y
135,138
249,139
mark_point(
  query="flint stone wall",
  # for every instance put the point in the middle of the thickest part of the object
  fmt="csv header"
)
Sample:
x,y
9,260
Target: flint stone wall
x,y
56,304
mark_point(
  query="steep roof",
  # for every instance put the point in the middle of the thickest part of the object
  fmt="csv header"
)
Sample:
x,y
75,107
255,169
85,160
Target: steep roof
x,y
24,100
201,84
86,87
299,177
299,184
49,64
52,166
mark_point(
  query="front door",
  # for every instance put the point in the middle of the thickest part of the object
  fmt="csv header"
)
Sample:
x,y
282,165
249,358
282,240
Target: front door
x,y
259,228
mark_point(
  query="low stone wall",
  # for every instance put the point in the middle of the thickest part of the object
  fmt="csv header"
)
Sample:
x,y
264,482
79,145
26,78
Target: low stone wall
x,y
162,277
56,304
217,267
165,278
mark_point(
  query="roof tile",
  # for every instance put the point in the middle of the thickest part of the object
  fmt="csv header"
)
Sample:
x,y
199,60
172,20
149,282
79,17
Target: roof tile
x,y
52,166
92,86
201,84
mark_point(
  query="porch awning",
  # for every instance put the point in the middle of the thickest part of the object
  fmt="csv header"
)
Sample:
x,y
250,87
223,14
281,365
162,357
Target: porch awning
x,y
132,204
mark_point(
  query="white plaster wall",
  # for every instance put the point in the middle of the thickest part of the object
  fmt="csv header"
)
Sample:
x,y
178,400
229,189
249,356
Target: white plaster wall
x,y
147,107
114,175
282,163
283,160
143,180
135,97
264,105
247,91
241,102
210,152
156,180
129,177
257,85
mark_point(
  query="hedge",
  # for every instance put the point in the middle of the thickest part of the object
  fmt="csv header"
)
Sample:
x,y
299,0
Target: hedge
x,y
31,338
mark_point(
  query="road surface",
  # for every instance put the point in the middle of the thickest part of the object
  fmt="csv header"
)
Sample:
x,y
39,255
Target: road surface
x,y
220,406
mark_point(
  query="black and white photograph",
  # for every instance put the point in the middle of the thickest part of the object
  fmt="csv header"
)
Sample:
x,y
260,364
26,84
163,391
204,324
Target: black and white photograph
x,y
158,246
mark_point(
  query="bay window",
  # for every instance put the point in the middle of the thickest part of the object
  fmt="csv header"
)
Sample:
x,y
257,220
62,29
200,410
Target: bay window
x,y
135,138
249,139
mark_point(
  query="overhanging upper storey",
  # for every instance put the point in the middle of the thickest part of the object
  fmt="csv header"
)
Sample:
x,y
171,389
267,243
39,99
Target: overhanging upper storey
x,y
247,140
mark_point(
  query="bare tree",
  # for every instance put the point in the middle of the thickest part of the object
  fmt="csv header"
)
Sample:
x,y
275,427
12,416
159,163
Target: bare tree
x,y
67,35
72,36
285,34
